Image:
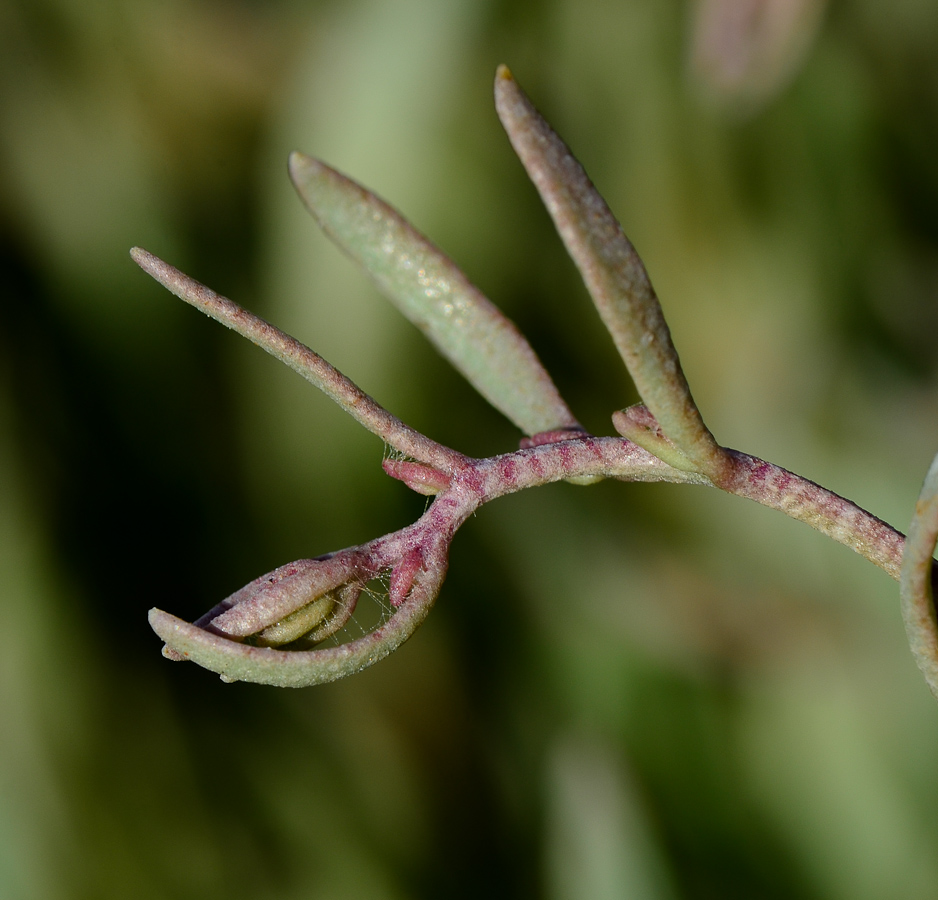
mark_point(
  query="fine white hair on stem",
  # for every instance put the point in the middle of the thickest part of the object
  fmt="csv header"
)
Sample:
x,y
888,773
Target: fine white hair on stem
x,y
302,360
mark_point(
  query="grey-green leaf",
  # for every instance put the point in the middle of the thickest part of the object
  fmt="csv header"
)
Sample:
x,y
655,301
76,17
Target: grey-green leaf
x,y
613,273
431,291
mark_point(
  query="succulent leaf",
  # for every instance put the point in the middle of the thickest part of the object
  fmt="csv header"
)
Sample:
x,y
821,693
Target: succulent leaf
x,y
431,291
235,661
613,273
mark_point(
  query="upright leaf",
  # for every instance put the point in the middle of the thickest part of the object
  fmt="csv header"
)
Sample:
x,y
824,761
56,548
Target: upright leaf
x,y
613,272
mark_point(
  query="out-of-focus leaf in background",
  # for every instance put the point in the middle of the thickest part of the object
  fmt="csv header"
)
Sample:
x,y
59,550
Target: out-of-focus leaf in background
x,y
719,697
743,52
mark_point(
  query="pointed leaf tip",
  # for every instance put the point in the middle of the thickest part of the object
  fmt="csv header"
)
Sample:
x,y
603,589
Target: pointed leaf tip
x,y
301,166
431,291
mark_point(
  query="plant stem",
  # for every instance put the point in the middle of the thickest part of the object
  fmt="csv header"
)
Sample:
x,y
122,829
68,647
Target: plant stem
x,y
752,478
823,510
417,555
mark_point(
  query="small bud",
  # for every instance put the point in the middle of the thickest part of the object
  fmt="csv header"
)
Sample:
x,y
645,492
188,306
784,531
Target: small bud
x,y
403,574
418,477
314,622
298,623
639,425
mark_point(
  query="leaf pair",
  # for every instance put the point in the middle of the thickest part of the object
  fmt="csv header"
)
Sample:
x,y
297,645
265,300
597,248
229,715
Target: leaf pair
x,y
305,602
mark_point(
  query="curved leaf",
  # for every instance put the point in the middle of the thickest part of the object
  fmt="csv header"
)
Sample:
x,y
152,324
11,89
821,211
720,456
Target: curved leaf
x,y
234,661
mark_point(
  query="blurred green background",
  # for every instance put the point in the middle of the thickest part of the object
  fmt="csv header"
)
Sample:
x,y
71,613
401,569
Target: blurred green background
x,y
626,691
